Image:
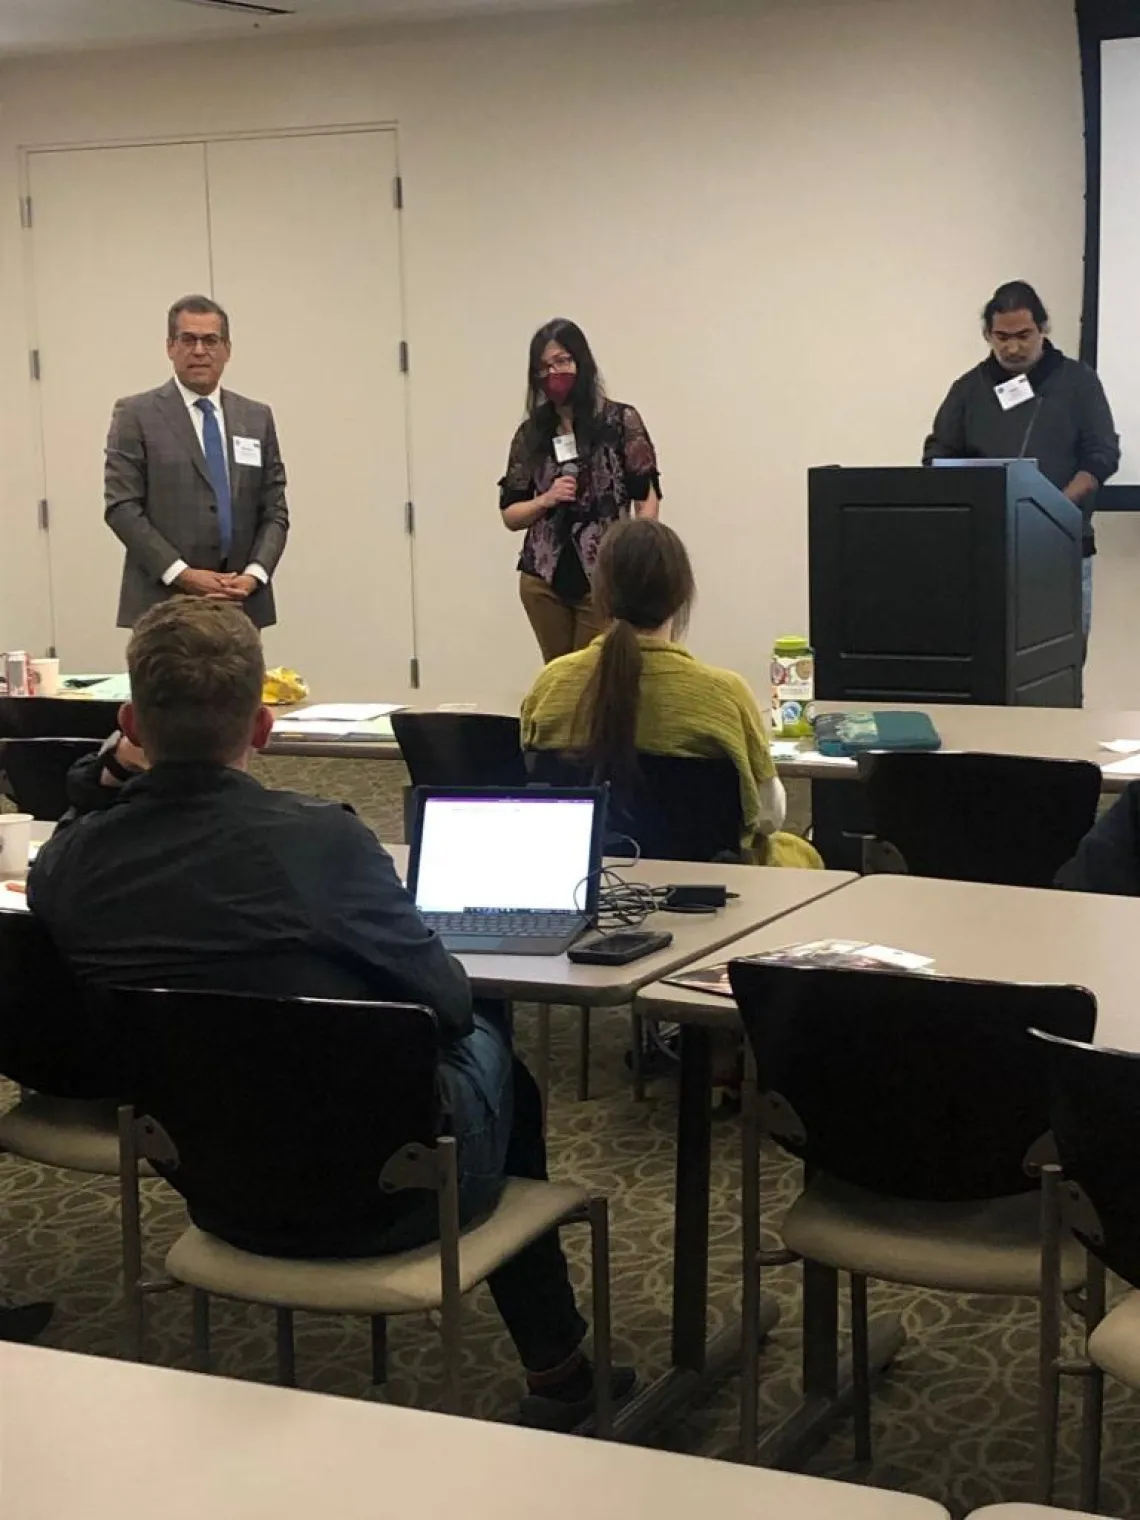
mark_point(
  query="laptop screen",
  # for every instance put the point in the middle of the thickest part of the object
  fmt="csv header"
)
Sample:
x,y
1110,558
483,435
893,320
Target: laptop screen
x,y
504,854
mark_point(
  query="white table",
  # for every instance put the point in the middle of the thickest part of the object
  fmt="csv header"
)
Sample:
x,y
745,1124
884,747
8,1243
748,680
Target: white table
x,y
762,895
1008,934
103,1439
1004,934
1048,733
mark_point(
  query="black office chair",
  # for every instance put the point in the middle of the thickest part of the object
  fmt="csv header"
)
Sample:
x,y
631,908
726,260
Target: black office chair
x,y
918,1105
36,772
1009,819
48,1039
1095,1112
676,809
311,1125
458,749
57,718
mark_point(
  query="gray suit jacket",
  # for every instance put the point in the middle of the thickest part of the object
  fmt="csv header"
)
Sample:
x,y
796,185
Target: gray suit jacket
x,y
161,505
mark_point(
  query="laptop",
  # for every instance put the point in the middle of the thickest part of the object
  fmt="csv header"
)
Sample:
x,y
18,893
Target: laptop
x,y
507,871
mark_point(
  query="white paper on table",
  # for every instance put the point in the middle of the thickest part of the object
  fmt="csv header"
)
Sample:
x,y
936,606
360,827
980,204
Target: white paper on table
x,y
813,757
1121,746
1127,767
13,899
344,712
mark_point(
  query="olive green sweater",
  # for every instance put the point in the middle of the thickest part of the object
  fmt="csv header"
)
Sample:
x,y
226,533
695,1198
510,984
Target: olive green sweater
x,y
687,708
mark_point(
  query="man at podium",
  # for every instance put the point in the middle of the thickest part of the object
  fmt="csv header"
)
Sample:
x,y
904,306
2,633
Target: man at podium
x,y
1029,401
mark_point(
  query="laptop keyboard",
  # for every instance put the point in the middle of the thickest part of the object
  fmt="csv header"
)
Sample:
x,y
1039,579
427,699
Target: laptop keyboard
x,y
503,925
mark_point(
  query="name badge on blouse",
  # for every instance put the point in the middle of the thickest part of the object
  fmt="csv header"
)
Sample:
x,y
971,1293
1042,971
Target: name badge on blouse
x,y
1015,392
565,448
247,451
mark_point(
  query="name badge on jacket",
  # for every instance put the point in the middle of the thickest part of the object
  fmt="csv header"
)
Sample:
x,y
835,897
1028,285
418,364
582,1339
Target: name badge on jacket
x,y
1015,392
247,451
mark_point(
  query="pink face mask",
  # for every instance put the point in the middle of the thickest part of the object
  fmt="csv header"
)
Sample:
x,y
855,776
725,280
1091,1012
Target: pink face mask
x,y
557,387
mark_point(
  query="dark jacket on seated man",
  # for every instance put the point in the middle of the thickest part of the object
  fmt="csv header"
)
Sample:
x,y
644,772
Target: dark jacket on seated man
x,y
195,876
198,876
1108,859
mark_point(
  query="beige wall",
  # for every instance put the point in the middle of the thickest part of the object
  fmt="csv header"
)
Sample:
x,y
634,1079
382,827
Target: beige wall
x,y
777,229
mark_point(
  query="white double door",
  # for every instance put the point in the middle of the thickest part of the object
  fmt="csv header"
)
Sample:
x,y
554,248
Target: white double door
x,y
298,237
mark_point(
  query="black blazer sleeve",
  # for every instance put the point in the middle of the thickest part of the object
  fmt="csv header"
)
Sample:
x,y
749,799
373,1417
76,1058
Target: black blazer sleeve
x,y
1108,859
1099,443
947,438
373,920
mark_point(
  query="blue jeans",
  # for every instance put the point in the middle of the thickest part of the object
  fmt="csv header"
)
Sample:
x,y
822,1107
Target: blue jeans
x,y
496,1118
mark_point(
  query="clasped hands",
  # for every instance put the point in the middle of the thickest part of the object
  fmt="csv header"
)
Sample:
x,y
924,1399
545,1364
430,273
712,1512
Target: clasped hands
x,y
219,585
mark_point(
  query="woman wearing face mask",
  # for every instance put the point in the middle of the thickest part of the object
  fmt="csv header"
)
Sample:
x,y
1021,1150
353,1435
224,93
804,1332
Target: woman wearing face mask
x,y
578,464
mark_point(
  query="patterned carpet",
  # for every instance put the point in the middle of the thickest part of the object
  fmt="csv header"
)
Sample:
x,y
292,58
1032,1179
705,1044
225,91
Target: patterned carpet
x,y
953,1420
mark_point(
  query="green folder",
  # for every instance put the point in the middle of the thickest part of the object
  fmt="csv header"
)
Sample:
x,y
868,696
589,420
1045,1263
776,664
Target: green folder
x,y
848,734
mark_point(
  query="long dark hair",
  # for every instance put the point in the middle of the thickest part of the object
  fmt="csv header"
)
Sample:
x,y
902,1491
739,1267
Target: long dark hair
x,y
1015,295
586,398
642,580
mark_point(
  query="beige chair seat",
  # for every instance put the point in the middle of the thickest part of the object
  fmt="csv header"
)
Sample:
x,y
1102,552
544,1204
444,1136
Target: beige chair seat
x,y
1028,1512
988,1247
64,1132
407,1283
1115,1343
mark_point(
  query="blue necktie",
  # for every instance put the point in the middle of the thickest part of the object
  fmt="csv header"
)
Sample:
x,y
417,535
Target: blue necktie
x,y
216,469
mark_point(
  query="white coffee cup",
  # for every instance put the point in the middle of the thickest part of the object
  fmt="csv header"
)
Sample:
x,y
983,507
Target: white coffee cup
x,y
15,844
43,678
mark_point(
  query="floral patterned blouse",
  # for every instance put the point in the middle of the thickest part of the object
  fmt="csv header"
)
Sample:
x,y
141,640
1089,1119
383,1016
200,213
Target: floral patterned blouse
x,y
621,470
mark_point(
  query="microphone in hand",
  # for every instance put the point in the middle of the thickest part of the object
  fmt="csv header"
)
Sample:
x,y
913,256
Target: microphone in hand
x,y
564,490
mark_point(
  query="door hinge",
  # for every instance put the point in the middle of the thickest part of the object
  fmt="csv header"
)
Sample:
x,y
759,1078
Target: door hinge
x,y
398,192
414,673
25,211
34,361
44,514
410,517
403,356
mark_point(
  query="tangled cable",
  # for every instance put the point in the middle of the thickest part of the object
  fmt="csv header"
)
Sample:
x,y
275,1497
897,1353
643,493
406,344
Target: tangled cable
x,y
622,904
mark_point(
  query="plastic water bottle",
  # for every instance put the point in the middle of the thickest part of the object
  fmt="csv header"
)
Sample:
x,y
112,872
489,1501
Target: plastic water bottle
x,y
793,688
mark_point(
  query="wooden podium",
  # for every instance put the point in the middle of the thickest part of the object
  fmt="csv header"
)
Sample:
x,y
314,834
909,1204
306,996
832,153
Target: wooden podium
x,y
932,585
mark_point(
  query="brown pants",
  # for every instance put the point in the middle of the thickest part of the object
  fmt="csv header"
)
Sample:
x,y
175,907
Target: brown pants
x,y
560,627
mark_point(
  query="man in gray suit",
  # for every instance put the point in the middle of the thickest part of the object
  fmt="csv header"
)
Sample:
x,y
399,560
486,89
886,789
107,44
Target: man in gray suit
x,y
194,483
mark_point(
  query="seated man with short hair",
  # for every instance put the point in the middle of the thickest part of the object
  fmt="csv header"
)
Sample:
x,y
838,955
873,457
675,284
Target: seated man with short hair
x,y
197,876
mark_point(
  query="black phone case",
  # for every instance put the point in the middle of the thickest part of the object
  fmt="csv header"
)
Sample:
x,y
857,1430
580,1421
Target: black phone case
x,y
594,952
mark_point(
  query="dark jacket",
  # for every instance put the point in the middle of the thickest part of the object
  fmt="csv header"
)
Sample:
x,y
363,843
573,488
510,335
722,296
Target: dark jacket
x,y
1067,428
1108,859
197,876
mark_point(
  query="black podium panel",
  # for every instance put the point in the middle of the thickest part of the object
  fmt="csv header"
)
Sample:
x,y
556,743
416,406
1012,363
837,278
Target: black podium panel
x,y
938,585
945,585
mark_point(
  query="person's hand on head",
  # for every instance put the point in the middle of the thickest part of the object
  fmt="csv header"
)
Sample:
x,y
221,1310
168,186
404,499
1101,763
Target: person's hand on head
x,y
202,583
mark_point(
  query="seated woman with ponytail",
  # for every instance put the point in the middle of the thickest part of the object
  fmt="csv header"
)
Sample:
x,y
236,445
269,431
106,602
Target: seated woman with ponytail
x,y
636,688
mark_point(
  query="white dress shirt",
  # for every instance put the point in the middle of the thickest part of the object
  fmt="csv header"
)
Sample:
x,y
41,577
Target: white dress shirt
x,y
191,399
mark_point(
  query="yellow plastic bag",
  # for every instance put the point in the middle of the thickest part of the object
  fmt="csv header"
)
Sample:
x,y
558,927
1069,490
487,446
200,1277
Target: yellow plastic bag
x,y
282,688
789,850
